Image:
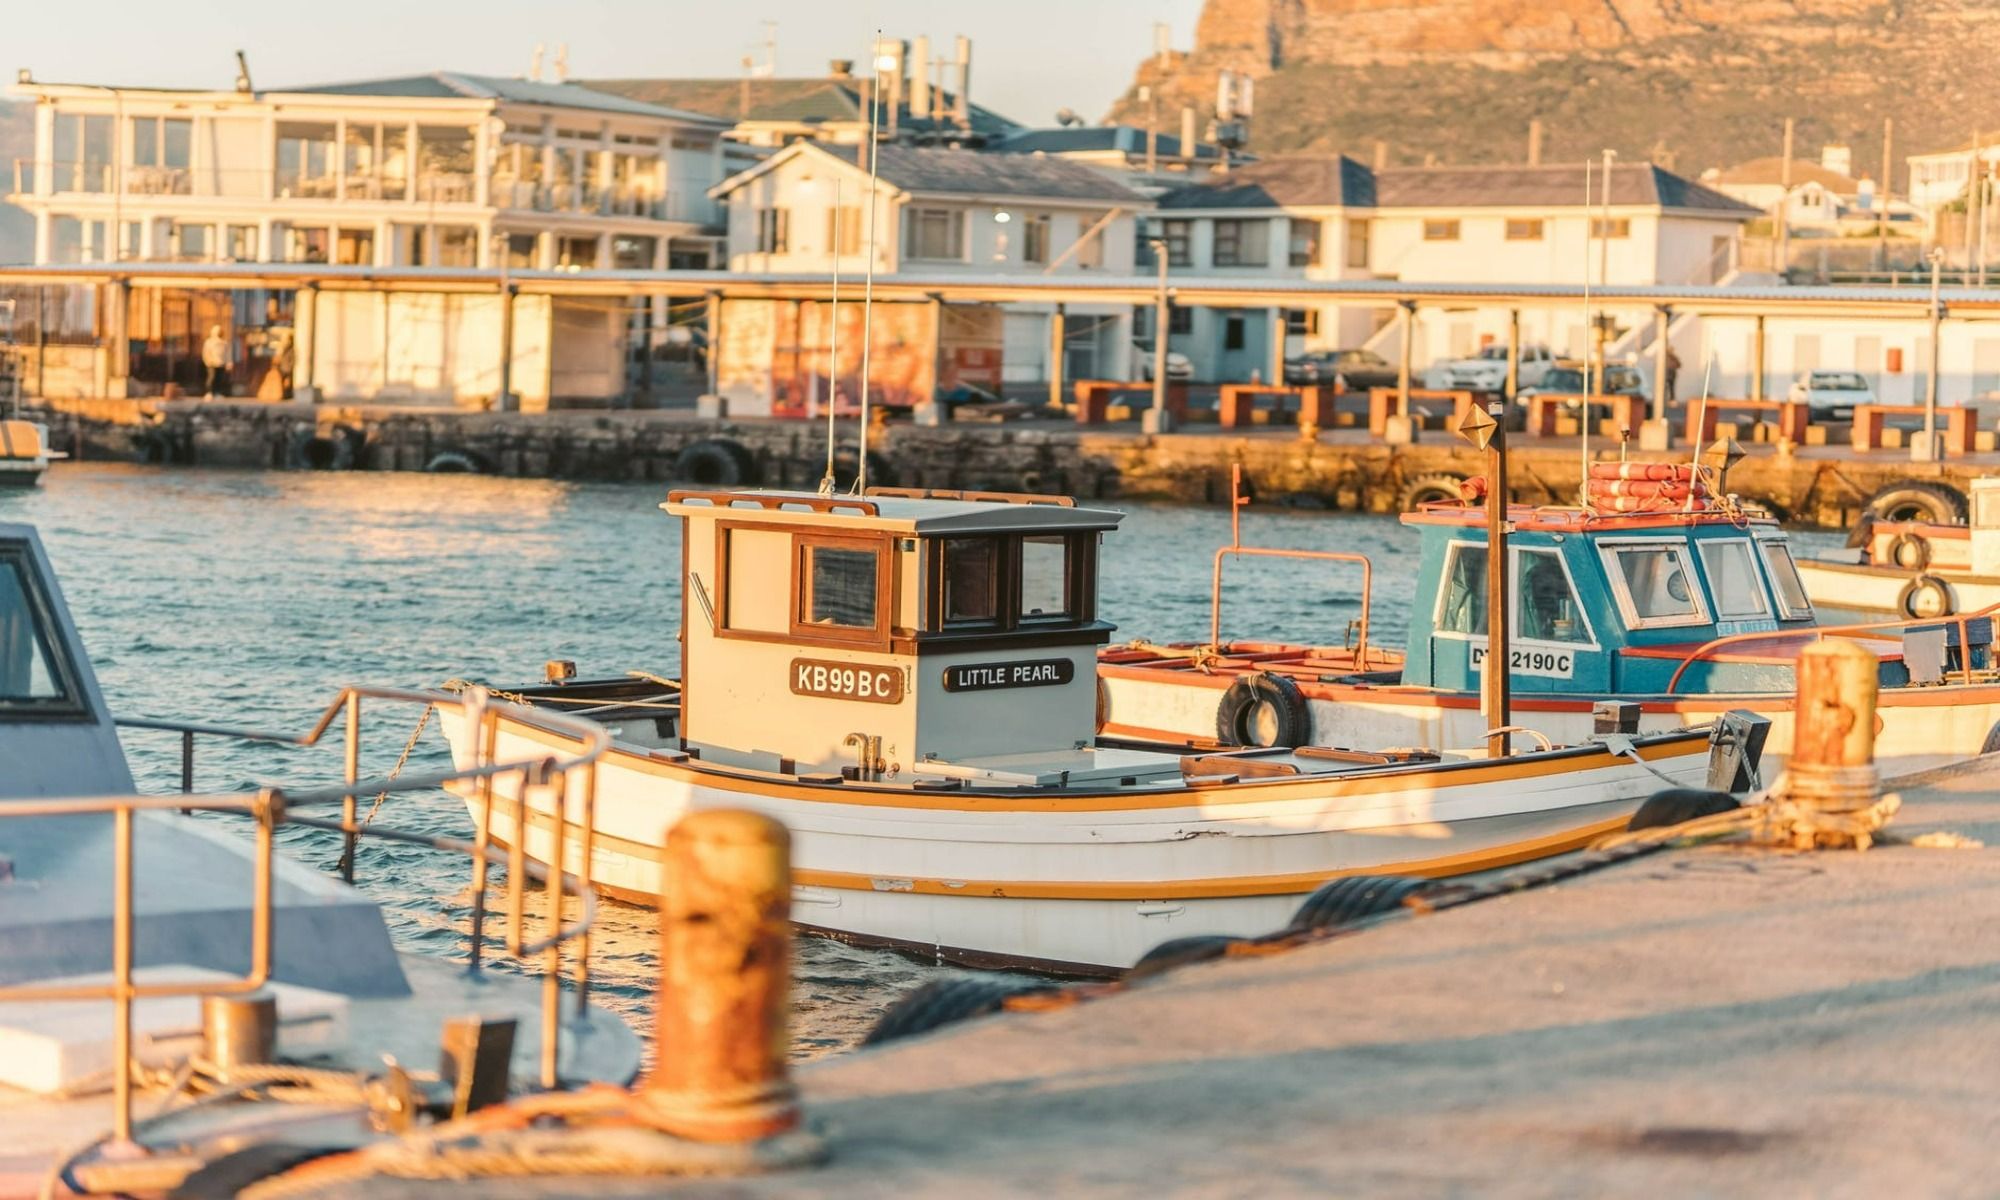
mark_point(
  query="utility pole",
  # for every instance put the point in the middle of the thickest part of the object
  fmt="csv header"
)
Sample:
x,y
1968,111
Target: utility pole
x,y
1535,142
1785,204
1971,189
1926,450
1882,193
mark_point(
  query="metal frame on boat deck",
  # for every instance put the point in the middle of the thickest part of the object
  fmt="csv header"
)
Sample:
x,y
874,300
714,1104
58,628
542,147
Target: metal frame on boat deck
x,y
270,807
1820,632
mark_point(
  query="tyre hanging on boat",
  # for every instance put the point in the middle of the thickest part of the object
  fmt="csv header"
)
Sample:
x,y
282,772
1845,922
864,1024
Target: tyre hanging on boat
x,y
716,462
1181,952
1910,551
1919,500
1926,596
1263,710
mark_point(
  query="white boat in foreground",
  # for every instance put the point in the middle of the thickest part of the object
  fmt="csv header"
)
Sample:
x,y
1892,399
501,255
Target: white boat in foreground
x,y
908,681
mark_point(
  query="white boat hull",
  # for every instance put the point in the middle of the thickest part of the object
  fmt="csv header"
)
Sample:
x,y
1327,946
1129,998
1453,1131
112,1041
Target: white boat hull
x,y
1864,588
1082,881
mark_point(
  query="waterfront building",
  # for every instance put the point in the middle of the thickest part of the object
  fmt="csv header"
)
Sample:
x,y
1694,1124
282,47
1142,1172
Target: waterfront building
x,y
1334,218
941,212
1939,177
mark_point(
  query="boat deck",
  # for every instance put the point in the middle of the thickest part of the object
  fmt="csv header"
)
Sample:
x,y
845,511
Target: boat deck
x,y
1722,1021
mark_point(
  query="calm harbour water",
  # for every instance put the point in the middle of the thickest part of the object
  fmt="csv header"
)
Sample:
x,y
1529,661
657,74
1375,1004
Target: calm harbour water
x,y
249,598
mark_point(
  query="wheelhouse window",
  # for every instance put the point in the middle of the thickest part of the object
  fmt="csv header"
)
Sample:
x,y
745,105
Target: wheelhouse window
x,y
34,675
1655,584
1045,592
971,580
1785,581
1732,578
1547,608
841,585
1462,602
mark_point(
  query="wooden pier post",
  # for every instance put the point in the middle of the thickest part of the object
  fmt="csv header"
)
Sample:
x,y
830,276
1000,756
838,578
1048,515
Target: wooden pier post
x,y
1832,767
721,1036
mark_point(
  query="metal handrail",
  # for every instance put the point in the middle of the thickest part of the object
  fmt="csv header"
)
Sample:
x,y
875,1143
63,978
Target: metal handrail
x,y
1820,633
1237,548
270,807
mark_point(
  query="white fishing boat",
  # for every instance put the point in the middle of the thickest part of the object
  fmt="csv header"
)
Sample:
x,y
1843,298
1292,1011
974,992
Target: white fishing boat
x,y
908,681
24,452
1916,569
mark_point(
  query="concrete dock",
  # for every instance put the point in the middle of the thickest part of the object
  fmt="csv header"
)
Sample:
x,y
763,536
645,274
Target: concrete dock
x,y
1345,469
1716,1021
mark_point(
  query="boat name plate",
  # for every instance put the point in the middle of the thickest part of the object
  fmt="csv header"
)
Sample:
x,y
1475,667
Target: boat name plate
x,y
846,681
1548,664
984,677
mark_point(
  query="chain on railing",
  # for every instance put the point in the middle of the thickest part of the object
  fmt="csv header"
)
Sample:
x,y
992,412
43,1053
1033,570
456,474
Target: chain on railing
x,y
554,776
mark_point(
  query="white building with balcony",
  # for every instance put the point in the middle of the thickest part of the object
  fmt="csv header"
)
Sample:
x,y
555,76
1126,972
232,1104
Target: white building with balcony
x,y
1334,218
445,169
940,211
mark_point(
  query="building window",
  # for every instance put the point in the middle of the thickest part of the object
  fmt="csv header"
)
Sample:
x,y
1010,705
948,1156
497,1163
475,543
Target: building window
x,y
191,243
632,253
1616,227
306,244
242,243
521,250
1035,238
354,247
1523,229
444,164
1300,322
1357,242
576,253
1180,319
305,161
1305,242
376,160
1180,242
774,228
1440,231
1089,255
161,155
935,233
1242,243
843,229
83,158
1233,331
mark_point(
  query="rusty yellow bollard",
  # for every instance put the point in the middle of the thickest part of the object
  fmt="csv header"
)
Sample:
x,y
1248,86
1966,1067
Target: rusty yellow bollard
x,y
721,1039
1831,774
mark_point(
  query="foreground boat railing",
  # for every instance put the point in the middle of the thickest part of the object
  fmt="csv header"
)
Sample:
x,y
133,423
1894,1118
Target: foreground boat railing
x,y
1236,548
1822,632
271,807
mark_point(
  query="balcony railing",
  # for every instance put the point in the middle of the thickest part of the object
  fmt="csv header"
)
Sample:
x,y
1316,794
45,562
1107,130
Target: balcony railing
x,y
590,199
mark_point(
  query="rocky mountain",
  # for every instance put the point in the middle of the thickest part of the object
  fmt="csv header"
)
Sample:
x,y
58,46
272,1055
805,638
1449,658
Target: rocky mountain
x,y
1688,83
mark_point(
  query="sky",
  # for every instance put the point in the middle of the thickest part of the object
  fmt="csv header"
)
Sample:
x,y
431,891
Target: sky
x,y
1029,57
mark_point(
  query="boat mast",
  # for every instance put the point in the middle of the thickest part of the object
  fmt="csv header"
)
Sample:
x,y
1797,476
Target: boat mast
x,y
1589,335
868,287
826,484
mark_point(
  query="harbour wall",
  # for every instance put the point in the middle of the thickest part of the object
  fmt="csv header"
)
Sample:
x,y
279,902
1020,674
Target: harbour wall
x,y
1341,469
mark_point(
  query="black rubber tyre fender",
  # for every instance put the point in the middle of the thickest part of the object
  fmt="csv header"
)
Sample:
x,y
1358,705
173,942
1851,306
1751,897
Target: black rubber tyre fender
x,y
1353,898
1180,952
1919,500
455,462
944,1002
154,448
847,465
1926,597
333,450
1910,551
1251,701
1677,806
716,462
1431,488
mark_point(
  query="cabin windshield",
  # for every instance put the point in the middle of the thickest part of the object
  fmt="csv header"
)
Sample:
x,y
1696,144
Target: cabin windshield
x,y
1732,578
971,580
1791,590
841,586
33,675
1462,606
1655,585
1045,578
1548,609
1004,581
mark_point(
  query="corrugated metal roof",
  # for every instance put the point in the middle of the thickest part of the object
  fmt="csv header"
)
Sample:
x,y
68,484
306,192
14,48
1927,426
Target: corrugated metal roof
x,y
1086,139
1294,182
808,101
461,85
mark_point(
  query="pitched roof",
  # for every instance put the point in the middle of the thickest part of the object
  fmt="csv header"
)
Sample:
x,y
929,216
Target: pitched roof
x,y
459,85
1772,171
1086,139
934,170
808,101
1297,182
1301,182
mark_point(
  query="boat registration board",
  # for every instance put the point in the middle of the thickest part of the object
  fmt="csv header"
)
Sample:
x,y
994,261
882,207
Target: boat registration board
x,y
1528,660
846,681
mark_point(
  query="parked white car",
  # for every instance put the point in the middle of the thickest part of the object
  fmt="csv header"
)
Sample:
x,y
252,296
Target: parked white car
x,y
1178,365
1831,394
1487,370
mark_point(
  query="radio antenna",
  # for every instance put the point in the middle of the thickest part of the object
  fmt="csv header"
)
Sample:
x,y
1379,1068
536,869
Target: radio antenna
x,y
1700,432
868,287
826,484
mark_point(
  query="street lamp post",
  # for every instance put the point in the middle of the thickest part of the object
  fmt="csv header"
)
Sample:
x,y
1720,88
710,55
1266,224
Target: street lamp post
x,y
1157,420
1926,449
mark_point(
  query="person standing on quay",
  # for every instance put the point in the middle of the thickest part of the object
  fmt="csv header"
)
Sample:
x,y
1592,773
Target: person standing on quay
x,y
216,357
1673,372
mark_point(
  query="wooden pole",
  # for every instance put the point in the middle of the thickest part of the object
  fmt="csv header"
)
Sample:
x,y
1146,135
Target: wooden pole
x,y
1058,339
1494,682
1513,352
1785,203
721,1038
1403,358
